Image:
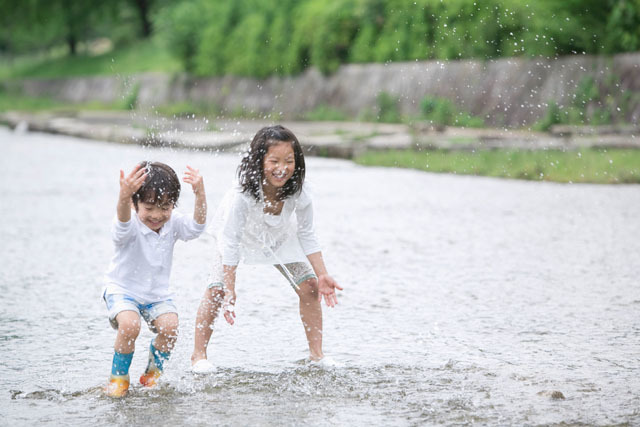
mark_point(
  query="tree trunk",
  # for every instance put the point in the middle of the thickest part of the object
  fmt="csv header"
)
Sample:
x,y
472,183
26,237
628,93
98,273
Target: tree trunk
x,y
72,42
143,11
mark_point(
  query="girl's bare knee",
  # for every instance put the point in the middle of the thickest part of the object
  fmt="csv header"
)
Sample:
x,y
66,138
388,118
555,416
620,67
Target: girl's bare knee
x,y
216,295
309,289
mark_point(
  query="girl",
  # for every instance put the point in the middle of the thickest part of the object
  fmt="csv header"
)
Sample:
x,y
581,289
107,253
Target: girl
x,y
256,222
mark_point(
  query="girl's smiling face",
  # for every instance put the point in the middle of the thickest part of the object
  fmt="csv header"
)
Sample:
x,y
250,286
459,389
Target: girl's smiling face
x,y
279,164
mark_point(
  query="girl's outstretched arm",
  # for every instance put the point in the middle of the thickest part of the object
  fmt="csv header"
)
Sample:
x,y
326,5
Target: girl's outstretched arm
x,y
128,186
192,176
326,285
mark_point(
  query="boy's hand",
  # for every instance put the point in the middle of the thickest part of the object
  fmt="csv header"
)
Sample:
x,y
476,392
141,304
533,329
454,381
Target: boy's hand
x,y
128,186
327,287
192,176
132,182
229,306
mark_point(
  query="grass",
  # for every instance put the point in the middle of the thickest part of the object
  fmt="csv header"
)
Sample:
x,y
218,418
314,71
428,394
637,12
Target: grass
x,y
599,166
138,57
21,103
13,102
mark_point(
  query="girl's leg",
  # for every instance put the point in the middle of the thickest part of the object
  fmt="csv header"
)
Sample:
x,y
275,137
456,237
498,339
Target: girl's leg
x,y
207,312
311,316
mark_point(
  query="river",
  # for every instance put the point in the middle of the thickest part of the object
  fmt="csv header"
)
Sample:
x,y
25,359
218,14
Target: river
x,y
467,300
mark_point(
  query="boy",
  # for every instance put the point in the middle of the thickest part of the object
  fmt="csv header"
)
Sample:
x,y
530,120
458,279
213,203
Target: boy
x,y
137,281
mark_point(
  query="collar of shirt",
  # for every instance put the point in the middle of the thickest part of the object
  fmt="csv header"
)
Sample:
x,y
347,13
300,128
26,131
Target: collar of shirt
x,y
147,231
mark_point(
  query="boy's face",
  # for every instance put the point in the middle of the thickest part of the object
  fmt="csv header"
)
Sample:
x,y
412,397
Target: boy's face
x,y
154,216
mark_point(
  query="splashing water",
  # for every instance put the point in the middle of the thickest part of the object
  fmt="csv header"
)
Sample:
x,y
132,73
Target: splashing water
x,y
467,300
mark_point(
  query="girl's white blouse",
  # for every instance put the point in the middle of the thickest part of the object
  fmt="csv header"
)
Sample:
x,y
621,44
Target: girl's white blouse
x,y
243,231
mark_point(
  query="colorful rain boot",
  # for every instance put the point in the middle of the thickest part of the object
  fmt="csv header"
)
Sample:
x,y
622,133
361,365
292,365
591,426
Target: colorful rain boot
x,y
118,385
154,367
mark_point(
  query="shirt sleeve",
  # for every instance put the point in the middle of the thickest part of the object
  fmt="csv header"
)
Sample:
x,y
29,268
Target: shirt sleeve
x,y
306,233
186,227
122,232
232,230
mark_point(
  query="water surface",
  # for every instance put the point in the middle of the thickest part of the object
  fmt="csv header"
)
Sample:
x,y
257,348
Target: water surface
x,y
467,300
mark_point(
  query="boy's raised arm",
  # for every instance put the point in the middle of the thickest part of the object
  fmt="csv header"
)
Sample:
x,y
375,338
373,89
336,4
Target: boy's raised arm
x,y
128,186
192,176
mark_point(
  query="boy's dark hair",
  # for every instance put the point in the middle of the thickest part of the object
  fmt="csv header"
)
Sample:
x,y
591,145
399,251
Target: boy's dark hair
x,y
251,169
160,187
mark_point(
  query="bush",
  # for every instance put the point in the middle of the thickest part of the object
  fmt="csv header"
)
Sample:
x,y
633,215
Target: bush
x,y
263,37
441,111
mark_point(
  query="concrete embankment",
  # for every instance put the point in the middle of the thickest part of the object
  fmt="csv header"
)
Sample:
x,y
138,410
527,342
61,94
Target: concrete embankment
x,y
511,92
331,139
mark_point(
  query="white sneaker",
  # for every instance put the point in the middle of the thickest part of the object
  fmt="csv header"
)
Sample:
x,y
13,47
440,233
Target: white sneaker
x,y
325,362
202,366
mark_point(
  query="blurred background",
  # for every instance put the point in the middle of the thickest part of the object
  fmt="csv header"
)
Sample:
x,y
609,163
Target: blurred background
x,y
556,75
468,300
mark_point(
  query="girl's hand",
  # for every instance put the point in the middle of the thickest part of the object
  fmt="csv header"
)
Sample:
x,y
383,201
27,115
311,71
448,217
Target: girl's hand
x,y
327,287
132,182
229,305
192,176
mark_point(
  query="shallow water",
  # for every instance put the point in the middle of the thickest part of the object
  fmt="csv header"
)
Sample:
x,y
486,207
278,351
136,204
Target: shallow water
x,y
467,300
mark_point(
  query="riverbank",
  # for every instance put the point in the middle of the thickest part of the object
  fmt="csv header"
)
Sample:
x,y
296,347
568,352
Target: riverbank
x,y
509,92
607,154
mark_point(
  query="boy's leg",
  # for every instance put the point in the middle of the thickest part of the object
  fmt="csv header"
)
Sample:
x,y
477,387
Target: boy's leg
x,y
166,326
128,330
207,311
128,324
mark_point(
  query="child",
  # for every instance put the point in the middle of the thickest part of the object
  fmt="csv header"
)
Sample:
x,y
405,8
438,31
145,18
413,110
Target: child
x,y
256,222
137,281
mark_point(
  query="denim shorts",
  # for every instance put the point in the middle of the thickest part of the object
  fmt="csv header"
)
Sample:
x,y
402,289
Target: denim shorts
x,y
296,272
117,303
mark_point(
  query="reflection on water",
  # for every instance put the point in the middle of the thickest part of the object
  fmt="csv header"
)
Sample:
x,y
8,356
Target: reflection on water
x,y
467,300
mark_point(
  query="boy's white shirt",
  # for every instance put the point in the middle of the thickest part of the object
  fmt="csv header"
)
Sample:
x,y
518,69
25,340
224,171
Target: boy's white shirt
x,y
141,265
244,231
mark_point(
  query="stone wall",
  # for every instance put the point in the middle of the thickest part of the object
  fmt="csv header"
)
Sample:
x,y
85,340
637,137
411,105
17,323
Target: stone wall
x,y
506,92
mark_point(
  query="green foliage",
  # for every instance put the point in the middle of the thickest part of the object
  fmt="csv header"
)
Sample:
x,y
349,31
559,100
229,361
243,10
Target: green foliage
x,y
11,101
592,104
552,116
265,37
259,38
442,111
39,25
134,58
131,98
325,113
387,108
181,28
590,165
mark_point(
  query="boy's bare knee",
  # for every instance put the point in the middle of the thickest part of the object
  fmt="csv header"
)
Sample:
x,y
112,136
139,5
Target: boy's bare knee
x,y
128,323
167,325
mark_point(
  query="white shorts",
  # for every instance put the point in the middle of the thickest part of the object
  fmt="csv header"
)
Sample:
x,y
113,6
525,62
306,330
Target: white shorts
x,y
295,273
117,303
